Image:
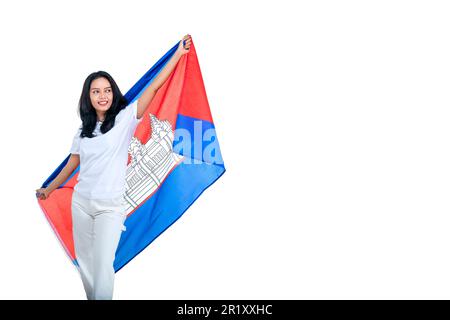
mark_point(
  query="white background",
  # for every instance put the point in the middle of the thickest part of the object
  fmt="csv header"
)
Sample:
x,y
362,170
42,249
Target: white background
x,y
333,121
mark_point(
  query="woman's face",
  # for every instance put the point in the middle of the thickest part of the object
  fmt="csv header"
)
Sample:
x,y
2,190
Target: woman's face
x,y
101,94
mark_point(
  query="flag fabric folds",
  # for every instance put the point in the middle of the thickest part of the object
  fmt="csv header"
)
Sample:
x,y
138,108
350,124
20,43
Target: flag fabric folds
x,y
173,157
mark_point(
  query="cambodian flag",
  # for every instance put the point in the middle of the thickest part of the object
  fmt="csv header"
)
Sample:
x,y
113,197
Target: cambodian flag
x,y
173,157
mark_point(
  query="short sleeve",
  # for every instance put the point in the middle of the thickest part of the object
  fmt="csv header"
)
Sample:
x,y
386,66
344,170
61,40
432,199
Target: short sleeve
x,y
133,112
75,149
129,114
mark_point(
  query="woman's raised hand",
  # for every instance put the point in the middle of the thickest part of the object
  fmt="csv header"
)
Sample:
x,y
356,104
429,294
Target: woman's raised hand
x,y
185,44
42,193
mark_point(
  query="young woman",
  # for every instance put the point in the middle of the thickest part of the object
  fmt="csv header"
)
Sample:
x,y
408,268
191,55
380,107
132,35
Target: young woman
x,y
100,148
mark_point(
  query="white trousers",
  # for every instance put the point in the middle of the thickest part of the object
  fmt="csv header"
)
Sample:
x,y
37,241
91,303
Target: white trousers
x,y
97,226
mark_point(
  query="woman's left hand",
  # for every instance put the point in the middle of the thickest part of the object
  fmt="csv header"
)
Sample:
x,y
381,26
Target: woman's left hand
x,y
185,44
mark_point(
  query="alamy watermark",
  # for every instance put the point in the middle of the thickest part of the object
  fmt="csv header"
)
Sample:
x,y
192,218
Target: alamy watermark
x,y
199,148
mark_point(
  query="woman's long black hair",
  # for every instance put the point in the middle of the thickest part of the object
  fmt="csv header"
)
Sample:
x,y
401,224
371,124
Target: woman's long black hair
x,y
87,112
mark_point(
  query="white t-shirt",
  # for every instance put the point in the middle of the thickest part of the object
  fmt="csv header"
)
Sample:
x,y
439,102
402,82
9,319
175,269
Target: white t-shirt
x,y
103,159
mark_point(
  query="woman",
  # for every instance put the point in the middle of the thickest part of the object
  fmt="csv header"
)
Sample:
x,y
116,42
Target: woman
x,y
100,148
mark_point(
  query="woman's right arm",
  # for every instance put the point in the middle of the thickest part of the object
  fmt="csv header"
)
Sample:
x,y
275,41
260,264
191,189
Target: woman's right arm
x,y
71,165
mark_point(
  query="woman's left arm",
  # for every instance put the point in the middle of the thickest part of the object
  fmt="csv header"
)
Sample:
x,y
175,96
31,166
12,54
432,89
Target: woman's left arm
x,y
149,93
